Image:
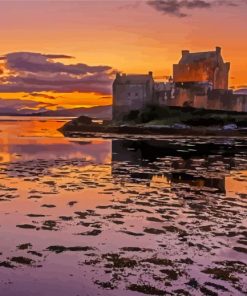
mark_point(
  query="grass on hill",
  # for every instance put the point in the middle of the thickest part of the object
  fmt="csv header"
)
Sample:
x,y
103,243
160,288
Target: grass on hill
x,y
157,115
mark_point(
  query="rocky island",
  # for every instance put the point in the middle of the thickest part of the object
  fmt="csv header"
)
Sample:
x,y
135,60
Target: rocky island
x,y
196,100
154,120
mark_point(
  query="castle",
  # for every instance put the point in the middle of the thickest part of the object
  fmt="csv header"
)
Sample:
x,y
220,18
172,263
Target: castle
x,y
200,80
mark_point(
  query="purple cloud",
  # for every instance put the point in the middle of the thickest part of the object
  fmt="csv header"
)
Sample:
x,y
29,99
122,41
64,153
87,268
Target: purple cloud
x,y
58,56
35,72
40,95
36,62
179,8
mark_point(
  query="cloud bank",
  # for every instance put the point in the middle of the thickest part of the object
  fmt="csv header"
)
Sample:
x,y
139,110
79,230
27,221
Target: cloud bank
x,y
182,8
36,72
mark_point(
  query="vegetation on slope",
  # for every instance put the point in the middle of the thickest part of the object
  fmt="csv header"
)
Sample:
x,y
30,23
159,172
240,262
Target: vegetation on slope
x,y
194,117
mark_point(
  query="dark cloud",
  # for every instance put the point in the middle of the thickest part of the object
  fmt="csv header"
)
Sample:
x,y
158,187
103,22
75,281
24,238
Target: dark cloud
x,y
58,56
36,62
180,8
35,72
105,97
242,87
130,5
40,95
100,83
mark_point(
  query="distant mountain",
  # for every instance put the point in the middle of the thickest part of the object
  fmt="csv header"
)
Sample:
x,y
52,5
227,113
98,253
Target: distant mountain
x,y
99,112
241,91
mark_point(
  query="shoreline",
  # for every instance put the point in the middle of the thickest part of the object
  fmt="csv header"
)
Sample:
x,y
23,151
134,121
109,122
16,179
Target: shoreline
x,y
95,130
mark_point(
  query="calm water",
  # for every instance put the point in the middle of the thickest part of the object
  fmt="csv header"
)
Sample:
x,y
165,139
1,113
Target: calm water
x,y
166,216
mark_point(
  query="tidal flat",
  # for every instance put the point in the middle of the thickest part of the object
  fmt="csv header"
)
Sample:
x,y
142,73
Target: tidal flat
x,y
121,216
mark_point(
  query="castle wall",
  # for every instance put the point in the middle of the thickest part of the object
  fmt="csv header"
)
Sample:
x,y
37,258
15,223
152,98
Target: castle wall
x,y
184,97
221,76
130,96
244,98
198,72
202,67
241,103
227,101
200,102
192,94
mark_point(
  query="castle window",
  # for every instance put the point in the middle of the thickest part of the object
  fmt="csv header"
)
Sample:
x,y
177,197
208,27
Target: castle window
x,y
129,94
136,94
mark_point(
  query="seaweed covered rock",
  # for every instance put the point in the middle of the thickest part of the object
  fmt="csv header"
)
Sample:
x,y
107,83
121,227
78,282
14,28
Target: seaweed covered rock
x,y
83,120
77,123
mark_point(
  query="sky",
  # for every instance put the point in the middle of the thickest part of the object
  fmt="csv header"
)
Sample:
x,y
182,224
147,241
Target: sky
x,y
65,54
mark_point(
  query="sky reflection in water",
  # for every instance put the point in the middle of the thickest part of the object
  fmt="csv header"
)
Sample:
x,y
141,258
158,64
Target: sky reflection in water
x,y
117,217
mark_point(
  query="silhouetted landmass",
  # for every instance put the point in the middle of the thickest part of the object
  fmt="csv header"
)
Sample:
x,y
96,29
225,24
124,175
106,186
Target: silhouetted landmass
x,y
98,112
164,121
189,116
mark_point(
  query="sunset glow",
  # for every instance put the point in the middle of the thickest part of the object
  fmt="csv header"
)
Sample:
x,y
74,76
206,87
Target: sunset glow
x,y
126,36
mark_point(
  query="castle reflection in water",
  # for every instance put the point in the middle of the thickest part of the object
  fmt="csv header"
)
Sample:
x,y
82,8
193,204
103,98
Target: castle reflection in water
x,y
173,161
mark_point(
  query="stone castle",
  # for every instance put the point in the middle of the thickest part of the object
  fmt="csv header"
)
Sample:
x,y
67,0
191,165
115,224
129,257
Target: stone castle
x,y
200,80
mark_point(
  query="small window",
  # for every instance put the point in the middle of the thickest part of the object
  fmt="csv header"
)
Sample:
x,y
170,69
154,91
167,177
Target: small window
x,y
129,94
136,94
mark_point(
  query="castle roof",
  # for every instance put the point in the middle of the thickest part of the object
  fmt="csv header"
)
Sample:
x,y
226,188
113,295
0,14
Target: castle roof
x,y
192,57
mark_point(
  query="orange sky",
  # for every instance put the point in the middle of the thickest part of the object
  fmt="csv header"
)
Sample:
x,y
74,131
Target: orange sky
x,y
129,36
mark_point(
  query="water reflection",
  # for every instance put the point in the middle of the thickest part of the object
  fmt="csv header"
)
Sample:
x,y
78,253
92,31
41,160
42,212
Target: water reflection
x,y
121,216
35,138
195,162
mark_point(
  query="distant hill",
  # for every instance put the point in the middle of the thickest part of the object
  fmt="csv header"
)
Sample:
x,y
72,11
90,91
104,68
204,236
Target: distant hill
x,y
99,112
241,91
